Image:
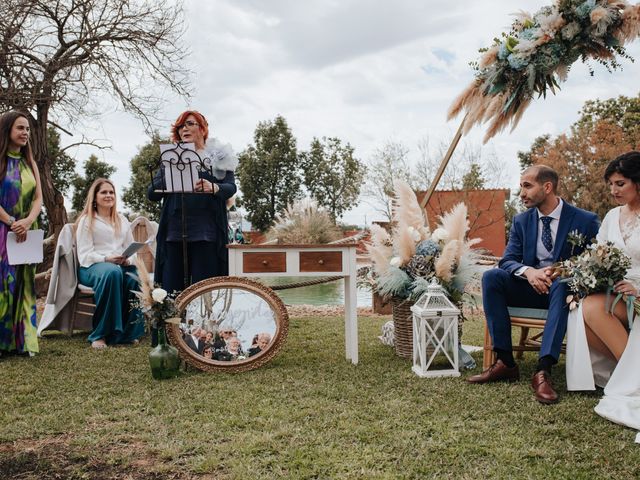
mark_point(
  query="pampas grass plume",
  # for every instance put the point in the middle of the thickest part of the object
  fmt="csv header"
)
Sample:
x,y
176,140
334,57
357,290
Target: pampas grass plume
x,y
405,244
468,269
447,260
407,209
145,282
455,222
380,249
379,236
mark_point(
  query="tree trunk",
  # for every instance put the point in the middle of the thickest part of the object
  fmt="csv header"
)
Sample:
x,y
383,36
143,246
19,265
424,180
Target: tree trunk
x,y
52,199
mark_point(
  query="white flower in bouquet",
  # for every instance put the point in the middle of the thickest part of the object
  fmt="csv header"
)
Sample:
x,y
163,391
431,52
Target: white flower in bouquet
x,y
159,294
440,235
595,270
415,234
395,262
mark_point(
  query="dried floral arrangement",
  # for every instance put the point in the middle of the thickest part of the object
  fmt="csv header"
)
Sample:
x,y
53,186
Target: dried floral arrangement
x,y
537,54
405,261
156,304
303,222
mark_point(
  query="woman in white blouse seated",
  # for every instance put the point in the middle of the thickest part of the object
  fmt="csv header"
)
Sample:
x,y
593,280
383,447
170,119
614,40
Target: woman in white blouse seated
x,y
604,348
102,235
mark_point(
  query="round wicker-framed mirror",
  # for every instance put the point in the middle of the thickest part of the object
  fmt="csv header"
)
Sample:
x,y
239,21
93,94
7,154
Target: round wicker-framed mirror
x,y
229,324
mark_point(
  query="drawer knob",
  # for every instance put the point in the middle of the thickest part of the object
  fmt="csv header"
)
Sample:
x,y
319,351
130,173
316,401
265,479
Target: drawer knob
x,y
265,262
321,262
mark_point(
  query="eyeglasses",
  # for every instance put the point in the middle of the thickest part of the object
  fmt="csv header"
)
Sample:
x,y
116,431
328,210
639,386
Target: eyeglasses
x,y
188,123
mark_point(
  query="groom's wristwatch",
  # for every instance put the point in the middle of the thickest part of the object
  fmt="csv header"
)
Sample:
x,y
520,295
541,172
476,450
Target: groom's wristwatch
x,y
11,220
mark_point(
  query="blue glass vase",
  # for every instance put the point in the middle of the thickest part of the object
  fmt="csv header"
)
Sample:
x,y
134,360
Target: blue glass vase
x,y
164,358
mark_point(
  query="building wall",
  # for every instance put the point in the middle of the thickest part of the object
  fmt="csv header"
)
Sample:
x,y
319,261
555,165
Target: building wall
x,y
486,214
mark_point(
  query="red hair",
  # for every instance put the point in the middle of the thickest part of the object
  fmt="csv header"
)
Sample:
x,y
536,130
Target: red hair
x,y
204,125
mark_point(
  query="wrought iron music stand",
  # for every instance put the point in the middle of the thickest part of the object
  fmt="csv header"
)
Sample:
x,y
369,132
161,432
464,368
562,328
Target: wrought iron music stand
x,y
179,168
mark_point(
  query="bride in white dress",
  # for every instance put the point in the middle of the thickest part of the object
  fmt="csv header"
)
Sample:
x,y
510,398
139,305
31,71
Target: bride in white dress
x,y
602,348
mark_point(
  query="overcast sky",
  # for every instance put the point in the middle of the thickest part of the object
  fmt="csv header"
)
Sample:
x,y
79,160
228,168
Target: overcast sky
x,y
367,72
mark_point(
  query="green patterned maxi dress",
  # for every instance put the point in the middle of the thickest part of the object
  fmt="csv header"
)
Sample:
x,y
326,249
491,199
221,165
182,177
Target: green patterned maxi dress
x,y
17,290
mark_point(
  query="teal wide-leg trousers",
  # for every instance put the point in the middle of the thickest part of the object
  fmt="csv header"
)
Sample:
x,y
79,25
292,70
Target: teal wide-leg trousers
x,y
113,320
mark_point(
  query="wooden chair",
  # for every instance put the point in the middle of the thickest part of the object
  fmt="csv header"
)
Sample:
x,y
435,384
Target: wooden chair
x,y
526,319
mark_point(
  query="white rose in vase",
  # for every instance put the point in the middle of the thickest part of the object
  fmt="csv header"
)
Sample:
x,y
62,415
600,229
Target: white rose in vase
x,y
158,295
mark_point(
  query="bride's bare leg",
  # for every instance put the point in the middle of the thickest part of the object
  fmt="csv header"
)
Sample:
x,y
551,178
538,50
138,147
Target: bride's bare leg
x,y
606,327
594,342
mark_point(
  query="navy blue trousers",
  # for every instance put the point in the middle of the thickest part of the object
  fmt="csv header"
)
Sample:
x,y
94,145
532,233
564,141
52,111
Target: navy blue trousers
x,y
501,290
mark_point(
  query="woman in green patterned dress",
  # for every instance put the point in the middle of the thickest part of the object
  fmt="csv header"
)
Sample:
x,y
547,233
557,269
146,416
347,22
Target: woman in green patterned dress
x,y
20,204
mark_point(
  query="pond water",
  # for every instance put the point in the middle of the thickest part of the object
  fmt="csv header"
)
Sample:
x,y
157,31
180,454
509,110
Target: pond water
x,y
331,293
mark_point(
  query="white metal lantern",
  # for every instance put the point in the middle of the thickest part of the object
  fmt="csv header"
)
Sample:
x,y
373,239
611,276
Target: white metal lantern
x,y
435,334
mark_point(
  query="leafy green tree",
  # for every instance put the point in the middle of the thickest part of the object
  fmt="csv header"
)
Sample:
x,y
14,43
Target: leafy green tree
x,y
525,158
269,172
145,162
332,175
93,169
604,130
473,179
621,111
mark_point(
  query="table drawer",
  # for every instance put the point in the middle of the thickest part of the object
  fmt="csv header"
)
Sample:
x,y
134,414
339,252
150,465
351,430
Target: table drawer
x,y
320,261
264,262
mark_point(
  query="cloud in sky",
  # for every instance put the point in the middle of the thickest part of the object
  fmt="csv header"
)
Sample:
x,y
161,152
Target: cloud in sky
x,y
367,72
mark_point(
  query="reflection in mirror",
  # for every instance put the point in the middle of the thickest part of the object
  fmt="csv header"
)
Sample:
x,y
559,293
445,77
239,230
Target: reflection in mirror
x,y
229,324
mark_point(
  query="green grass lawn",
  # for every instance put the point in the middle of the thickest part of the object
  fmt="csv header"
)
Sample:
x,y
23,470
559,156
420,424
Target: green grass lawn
x,y
71,412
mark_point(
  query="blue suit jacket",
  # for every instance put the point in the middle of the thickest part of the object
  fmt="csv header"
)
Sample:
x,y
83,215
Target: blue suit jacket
x,y
521,249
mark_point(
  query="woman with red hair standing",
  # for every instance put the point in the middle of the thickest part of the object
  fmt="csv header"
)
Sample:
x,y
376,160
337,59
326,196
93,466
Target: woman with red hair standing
x,y
205,214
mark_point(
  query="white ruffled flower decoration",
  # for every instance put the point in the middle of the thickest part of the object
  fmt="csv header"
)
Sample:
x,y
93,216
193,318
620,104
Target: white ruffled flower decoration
x,y
440,235
415,234
158,295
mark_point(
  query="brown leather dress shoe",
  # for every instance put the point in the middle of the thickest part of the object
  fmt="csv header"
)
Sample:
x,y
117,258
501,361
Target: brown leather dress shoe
x,y
543,389
495,373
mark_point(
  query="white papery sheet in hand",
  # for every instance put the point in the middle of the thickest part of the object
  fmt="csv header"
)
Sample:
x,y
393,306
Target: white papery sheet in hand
x,y
29,251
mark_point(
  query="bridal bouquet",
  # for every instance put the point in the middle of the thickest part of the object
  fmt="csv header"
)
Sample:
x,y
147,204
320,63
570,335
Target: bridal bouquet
x,y
405,261
596,270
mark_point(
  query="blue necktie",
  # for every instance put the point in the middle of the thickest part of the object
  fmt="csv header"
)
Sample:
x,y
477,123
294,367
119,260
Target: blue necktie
x,y
547,241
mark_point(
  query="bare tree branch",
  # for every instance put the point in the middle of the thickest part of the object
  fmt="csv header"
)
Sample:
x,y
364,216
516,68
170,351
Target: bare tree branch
x,y
62,58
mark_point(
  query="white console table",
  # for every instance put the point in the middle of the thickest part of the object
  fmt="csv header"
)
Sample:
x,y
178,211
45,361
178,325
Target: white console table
x,y
305,260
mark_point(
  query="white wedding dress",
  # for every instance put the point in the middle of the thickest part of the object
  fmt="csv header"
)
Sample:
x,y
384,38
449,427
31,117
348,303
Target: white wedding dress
x,y
587,368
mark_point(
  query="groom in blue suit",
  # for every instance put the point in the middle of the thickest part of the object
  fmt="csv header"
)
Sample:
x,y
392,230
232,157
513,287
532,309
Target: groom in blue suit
x,y
538,238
